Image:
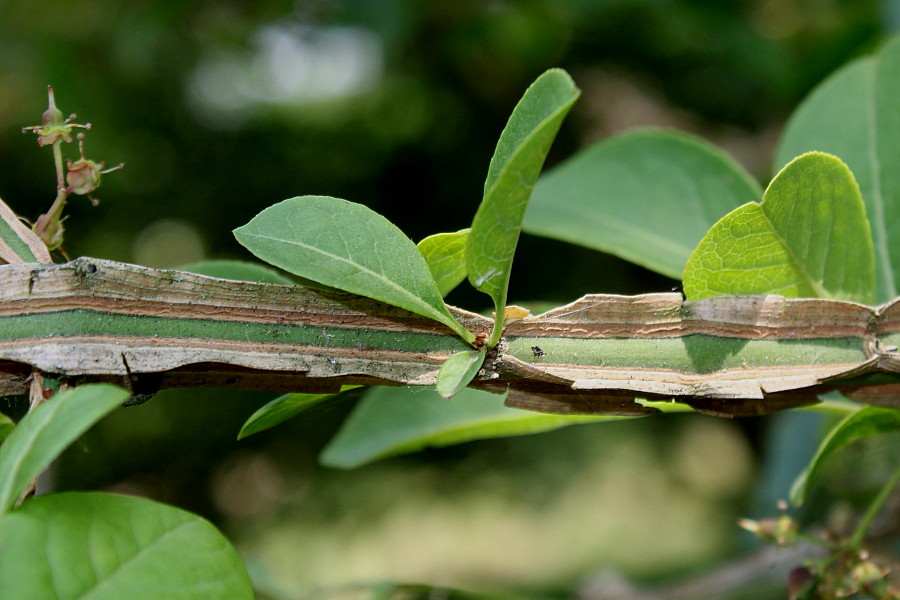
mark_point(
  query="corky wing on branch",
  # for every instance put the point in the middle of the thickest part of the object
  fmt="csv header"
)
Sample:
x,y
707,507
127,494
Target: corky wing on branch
x,y
94,319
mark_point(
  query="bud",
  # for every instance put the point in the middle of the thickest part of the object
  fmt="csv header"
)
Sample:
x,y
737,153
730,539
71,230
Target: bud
x,y
800,582
83,175
54,128
782,531
866,573
50,231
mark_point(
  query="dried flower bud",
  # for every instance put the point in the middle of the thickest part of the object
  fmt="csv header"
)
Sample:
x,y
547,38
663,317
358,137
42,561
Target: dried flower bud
x,y
83,175
867,572
800,581
782,531
50,231
54,127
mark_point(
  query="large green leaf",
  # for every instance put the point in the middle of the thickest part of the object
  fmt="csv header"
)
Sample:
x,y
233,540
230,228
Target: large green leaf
x,y
391,421
853,115
97,546
517,161
283,408
863,423
446,257
349,247
48,430
646,196
809,237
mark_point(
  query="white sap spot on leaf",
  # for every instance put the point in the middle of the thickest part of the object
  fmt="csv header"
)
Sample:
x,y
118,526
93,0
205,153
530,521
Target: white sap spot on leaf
x,y
491,273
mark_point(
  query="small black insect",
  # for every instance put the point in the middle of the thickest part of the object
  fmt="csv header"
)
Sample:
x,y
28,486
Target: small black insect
x,y
537,351
85,269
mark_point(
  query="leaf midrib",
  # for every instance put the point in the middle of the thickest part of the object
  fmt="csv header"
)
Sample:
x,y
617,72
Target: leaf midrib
x,y
525,143
820,291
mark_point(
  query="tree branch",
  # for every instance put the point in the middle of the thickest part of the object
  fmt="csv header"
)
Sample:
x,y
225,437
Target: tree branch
x,y
148,329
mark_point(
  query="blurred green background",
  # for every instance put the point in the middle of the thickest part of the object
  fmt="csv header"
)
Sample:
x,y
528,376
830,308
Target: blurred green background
x,y
222,108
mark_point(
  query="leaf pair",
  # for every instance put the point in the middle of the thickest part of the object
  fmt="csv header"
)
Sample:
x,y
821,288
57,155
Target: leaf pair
x,y
809,237
75,545
349,247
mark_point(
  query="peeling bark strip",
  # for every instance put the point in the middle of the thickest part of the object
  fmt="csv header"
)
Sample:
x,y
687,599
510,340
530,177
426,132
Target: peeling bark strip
x,y
92,319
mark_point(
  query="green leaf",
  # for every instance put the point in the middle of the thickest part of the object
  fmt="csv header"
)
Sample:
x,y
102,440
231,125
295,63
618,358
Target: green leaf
x,y
81,545
349,247
863,423
517,161
389,421
283,408
6,427
646,196
445,254
809,237
458,371
853,115
237,270
48,430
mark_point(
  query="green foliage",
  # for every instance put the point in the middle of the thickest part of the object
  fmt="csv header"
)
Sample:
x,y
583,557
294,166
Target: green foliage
x,y
517,161
347,246
853,115
445,254
107,547
861,424
809,237
283,408
47,431
79,545
389,421
646,196
458,371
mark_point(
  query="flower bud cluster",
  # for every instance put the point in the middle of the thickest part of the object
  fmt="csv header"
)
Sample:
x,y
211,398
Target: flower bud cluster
x,y
81,177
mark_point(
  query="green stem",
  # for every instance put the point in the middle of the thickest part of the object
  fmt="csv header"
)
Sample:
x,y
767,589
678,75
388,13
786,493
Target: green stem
x,y
58,160
497,331
873,510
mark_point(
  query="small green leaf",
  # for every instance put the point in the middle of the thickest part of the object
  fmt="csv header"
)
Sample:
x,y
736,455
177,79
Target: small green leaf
x,y
517,161
853,114
645,196
863,423
108,547
389,421
349,247
48,430
445,254
6,427
809,237
458,371
237,270
283,408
